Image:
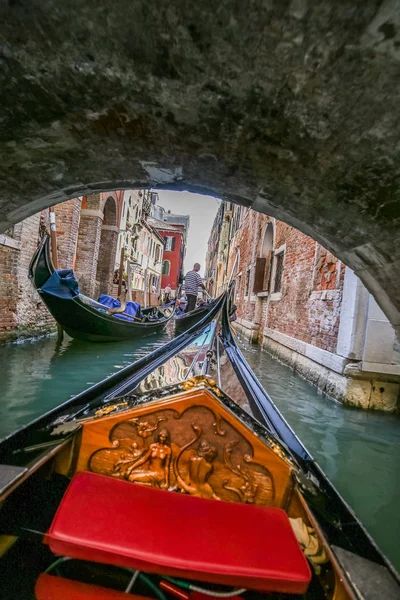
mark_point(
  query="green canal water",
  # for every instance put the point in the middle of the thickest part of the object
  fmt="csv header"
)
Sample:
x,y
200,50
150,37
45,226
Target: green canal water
x,y
359,451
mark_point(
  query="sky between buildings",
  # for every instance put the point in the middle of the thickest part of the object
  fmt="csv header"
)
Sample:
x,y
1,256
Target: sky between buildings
x,y
202,211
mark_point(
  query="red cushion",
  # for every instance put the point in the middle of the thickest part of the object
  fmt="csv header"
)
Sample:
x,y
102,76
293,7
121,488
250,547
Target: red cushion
x,y
49,587
116,522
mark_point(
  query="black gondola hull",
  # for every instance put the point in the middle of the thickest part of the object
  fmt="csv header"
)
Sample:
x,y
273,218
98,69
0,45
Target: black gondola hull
x,y
187,320
80,320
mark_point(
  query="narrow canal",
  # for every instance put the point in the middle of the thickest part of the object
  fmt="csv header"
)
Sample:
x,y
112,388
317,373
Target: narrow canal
x,y
359,451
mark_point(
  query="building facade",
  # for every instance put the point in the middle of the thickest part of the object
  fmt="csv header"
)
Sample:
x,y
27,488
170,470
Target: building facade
x,y
140,248
310,311
91,231
173,255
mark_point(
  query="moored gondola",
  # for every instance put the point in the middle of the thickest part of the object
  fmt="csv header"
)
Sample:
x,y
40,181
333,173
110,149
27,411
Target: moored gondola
x,y
185,320
84,318
157,483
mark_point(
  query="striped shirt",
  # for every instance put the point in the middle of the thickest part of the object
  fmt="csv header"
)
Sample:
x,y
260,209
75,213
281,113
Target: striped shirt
x,y
192,282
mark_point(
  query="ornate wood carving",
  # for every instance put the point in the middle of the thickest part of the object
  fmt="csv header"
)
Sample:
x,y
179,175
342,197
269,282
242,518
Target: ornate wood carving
x,y
194,451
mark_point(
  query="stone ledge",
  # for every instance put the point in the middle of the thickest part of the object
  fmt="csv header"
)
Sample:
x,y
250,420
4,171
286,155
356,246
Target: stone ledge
x,y
385,369
91,212
323,357
366,394
247,324
9,242
247,329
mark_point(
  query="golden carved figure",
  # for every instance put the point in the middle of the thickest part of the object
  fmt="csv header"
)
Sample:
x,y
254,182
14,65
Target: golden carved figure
x,y
152,469
200,467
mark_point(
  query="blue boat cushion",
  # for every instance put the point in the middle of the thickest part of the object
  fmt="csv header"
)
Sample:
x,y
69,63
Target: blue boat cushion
x,y
132,308
61,284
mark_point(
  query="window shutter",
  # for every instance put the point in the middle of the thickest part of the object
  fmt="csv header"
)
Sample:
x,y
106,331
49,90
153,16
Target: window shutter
x,y
267,271
172,243
259,275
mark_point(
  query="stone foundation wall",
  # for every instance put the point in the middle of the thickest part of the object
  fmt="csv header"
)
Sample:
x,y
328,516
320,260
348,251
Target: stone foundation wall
x,y
371,391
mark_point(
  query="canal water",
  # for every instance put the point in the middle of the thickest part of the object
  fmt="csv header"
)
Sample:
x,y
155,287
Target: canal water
x,y
359,451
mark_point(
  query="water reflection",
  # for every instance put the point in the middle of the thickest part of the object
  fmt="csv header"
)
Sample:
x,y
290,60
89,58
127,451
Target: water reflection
x,y
37,376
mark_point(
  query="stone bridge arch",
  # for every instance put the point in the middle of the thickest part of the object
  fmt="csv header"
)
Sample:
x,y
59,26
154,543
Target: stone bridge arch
x,y
289,107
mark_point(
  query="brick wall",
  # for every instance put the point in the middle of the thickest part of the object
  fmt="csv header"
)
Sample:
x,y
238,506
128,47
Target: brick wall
x,y
87,250
248,240
67,225
308,307
106,260
23,314
312,283
8,285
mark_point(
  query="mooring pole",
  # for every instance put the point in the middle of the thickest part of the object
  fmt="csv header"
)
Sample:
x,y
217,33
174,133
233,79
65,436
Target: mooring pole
x,y
53,236
129,282
54,256
121,270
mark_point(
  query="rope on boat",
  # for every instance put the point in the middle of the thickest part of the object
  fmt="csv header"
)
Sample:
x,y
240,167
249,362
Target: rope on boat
x,y
195,588
132,582
310,543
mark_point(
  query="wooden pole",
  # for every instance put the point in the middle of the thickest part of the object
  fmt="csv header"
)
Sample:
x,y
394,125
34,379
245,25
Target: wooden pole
x,y
53,238
129,282
121,270
145,288
149,292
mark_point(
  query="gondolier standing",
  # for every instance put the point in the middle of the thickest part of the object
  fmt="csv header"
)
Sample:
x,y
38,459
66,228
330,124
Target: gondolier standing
x,y
193,282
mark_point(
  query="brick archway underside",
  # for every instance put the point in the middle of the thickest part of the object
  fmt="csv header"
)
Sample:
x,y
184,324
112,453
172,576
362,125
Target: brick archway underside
x,y
290,107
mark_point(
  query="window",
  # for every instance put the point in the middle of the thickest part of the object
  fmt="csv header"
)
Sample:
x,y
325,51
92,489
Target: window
x,y
166,267
279,258
246,288
169,243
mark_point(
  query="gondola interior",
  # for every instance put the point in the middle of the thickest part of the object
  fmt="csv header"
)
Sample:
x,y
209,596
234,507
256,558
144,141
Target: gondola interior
x,y
178,487
158,484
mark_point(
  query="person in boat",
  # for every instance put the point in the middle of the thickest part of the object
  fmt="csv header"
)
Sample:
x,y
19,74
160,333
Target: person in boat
x,y
167,294
183,302
193,282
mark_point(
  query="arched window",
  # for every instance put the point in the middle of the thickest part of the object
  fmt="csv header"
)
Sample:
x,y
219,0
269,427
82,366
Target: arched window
x,y
166,267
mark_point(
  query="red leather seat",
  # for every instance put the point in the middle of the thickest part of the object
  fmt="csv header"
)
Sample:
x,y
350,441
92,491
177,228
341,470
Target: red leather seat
x,y
116,522
49,587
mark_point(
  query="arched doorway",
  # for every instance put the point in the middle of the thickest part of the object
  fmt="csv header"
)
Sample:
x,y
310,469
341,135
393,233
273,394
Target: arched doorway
x,y
107,248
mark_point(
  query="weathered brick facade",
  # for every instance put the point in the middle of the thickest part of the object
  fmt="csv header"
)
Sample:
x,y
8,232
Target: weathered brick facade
x,y
309,307
67,224
23,314
86,242
290,293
